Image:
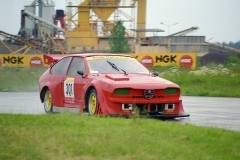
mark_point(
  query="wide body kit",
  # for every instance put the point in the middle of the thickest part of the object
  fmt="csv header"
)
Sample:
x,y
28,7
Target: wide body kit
x,y
124,88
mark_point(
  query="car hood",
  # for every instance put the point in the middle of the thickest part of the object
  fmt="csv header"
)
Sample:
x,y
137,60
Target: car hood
x,y
136,81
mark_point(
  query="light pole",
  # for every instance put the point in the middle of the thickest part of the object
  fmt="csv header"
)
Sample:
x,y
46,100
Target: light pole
x,y
168,26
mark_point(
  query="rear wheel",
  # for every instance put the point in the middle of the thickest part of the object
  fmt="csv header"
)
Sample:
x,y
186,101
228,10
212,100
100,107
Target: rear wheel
x,y
48,107
92,102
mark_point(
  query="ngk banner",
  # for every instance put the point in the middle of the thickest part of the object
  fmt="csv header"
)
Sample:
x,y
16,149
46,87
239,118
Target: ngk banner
x,y
20,60
187,60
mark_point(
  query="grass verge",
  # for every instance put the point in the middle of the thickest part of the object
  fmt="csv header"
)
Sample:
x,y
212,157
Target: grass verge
x,y
209,85
67,136
214,80
20,79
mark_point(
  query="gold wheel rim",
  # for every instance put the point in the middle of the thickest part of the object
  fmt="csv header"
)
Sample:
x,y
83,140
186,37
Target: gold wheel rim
x,y
93,103
48,101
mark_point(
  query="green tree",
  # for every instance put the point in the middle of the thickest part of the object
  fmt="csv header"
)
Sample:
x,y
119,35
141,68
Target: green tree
x,y
117,41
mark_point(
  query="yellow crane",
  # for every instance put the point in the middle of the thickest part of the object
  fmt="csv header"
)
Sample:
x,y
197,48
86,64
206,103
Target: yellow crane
x,y
90,22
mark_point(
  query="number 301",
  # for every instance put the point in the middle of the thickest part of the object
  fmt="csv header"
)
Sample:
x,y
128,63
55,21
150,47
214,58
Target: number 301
x,y
69,89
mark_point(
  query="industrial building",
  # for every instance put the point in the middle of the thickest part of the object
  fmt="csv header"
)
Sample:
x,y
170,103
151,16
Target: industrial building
x,y
85,26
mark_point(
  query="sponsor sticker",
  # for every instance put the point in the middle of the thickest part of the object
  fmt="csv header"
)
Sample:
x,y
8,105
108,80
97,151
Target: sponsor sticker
x,y
105,57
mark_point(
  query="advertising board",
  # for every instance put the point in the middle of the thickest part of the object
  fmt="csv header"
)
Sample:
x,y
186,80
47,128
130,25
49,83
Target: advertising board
x,y
20,60
187,60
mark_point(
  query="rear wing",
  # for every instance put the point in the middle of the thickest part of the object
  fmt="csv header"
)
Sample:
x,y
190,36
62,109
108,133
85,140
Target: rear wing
x,y
51,59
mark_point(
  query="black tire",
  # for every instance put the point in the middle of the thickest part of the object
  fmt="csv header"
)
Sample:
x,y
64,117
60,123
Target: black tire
x,y
92,102
48,106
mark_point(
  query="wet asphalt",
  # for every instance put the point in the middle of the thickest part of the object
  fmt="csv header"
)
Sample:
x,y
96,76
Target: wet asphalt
x,y
217,112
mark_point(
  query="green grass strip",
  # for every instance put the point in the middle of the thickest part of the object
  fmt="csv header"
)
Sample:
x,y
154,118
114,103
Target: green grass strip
x,y
68,136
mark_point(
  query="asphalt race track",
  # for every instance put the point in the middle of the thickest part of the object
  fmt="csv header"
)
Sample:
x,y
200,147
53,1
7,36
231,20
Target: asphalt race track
x,y
204,111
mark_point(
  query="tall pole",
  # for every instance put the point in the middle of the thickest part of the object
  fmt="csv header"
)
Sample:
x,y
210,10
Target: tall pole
x,y
168,26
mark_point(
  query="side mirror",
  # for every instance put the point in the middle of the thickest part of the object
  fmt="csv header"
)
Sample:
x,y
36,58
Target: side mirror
x,y
80,73
155,73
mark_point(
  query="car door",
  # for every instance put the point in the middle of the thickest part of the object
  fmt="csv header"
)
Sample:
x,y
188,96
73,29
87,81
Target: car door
x,y
58,72
73,84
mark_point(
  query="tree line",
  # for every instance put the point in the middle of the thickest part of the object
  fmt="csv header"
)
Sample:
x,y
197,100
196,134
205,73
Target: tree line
x,y
235,45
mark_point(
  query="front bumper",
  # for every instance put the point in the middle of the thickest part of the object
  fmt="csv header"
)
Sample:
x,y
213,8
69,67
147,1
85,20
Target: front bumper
x,y
164,116
171,115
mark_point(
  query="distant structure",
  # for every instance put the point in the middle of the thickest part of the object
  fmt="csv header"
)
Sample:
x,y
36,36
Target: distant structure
x,y
86,25
45,10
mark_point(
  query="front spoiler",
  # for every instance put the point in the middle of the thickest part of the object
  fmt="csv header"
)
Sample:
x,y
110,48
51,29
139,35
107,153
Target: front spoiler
x,y
171,115
154,116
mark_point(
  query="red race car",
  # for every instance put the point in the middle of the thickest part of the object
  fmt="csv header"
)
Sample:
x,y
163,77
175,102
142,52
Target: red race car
x,y
108,85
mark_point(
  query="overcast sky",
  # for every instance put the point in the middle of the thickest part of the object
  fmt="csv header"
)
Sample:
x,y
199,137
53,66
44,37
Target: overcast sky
x,y
218,20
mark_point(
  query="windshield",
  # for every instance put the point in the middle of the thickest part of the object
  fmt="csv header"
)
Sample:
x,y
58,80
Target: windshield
x,y
108,64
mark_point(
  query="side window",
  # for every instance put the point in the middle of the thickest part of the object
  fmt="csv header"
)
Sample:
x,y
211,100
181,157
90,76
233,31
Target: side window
x,y
77,64
60,68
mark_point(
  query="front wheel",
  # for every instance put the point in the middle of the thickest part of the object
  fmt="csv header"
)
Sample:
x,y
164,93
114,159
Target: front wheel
x,y
92,102
48,107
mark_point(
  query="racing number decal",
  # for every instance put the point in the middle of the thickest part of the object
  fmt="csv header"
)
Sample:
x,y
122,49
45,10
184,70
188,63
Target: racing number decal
x,y
69,87
69,92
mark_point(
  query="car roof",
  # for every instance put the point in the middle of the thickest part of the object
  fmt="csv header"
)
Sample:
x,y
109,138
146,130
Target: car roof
x,y
51,59
99,54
